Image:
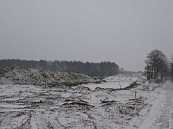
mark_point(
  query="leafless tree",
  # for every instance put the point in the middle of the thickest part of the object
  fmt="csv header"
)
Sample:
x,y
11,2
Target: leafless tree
x,y
156,66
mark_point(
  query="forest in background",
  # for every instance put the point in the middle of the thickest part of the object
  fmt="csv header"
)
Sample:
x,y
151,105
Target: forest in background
x,y
101,70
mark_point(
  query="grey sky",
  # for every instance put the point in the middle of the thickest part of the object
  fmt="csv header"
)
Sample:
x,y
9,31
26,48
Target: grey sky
x,y
123,31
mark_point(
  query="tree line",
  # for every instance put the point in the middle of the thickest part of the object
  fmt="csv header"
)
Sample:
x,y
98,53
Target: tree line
x,y
158,67
102,69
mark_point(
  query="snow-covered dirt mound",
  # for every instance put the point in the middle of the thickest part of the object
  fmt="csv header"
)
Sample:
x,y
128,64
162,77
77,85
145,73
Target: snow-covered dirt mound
x,y
36,77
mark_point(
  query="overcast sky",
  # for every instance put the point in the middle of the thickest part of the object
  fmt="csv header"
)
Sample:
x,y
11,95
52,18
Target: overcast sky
x,y
122,31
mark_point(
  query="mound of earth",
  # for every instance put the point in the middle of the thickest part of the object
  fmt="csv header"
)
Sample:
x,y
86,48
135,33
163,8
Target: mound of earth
x,y
36,77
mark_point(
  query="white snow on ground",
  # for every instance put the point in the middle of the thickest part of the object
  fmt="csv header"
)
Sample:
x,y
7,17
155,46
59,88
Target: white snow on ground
x,y
117,82
33,107
114,85
36,107
161,114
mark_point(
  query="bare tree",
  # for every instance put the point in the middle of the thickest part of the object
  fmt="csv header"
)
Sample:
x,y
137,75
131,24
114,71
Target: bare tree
x,y
156,65
171,65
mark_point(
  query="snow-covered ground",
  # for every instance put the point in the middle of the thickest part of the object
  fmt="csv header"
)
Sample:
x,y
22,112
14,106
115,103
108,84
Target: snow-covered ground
x,y
118,81
147,106
161,114
37,107
32,107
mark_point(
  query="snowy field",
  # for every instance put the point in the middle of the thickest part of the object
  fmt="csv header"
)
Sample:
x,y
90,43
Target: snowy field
x,y
35,107
117,82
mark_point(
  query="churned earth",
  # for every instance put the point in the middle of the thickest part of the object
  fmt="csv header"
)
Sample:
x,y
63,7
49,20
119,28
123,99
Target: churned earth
x,y
79,107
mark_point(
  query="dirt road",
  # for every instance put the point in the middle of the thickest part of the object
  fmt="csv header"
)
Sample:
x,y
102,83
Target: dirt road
x,y
161,115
